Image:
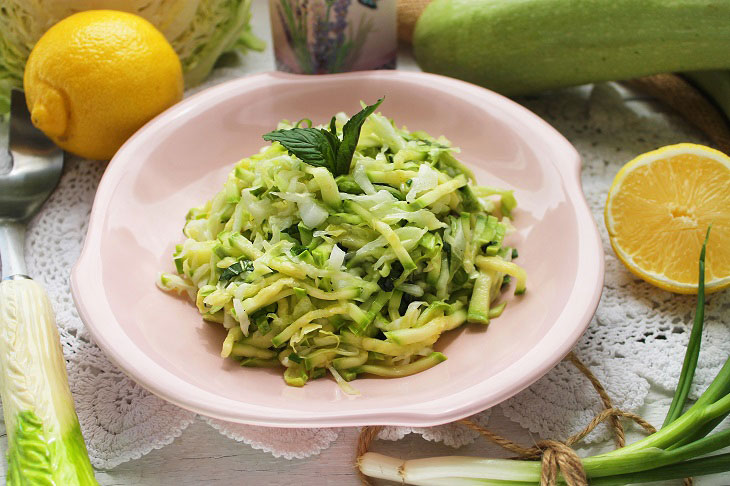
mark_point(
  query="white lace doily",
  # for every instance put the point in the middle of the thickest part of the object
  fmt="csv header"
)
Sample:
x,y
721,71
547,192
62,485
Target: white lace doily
x,y
632,344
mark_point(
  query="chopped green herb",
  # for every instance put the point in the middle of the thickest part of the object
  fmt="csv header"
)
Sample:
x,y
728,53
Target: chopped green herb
x,y
236,269
321,147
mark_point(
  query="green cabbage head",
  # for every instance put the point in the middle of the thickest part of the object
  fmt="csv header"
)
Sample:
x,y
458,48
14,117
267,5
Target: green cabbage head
x,y
199,31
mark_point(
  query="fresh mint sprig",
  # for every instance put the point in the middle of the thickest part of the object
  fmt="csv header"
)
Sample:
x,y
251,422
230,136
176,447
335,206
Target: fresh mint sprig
x,y
321,147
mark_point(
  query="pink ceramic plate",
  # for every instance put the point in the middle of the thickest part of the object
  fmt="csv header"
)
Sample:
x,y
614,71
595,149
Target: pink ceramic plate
x,y
182,157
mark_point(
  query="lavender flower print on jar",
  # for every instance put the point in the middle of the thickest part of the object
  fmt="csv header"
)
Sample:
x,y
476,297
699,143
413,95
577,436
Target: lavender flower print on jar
x,y
332,36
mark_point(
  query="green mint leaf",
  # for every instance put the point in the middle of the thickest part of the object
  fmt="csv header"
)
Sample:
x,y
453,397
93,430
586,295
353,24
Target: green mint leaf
x,y
334,143
236,269
322,147
350,136
231,271
311,145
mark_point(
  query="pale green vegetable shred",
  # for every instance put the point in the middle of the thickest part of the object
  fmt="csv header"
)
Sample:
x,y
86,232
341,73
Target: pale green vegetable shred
x,y
354,274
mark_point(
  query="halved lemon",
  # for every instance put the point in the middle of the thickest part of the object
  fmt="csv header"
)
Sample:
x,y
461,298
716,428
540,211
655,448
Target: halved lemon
x,y
658,210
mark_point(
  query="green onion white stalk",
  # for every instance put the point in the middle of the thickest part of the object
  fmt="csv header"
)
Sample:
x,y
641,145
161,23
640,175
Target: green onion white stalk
x,y
677,450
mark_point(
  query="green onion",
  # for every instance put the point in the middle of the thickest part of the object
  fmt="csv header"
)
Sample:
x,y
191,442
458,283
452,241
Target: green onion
x,y
678,450
693,347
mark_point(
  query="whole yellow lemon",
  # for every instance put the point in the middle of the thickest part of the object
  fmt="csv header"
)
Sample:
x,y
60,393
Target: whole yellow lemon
x,y
96,77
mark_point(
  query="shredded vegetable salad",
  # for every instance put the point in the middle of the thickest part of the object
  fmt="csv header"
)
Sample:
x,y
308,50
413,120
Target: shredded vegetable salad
x,y
346,249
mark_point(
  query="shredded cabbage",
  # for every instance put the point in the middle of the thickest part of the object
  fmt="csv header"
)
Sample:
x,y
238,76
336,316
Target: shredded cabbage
x,y
356,274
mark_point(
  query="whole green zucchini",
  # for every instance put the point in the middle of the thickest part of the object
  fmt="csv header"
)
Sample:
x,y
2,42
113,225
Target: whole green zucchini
x,y
525,46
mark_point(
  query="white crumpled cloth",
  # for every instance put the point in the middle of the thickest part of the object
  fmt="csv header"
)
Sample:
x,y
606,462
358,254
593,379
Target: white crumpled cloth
x,y
634,342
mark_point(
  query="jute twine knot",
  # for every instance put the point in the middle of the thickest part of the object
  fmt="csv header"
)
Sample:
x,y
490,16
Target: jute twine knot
x,y
558,456
558,459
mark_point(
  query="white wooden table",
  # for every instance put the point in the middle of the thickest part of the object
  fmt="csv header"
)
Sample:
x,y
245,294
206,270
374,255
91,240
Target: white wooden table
x,y
202,456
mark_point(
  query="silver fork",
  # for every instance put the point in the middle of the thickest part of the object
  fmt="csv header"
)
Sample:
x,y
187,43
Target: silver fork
x,y
36,168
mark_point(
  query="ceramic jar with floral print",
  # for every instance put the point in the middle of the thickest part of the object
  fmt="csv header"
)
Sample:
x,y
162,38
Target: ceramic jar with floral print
x,y
331,36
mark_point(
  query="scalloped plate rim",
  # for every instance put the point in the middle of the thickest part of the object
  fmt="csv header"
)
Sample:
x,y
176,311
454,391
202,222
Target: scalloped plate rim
x,y
161,382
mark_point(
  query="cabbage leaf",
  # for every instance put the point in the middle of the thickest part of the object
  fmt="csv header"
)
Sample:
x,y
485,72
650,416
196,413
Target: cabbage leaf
x,y
199,31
